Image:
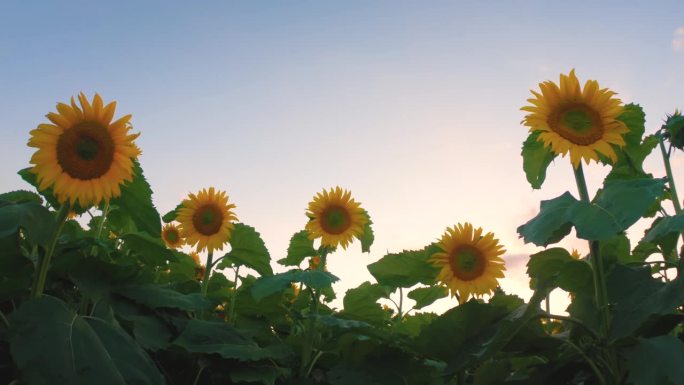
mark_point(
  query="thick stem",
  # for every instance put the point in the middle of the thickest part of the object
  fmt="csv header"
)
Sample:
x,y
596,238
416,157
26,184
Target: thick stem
x,y
207,274
600,289
310,334
671,183
231,311
39,284
401,302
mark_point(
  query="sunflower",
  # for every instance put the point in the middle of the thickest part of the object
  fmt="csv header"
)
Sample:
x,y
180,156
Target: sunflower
x,y
582,121
171,236
206,219
469,262
575,254
335,218
199,267
83,155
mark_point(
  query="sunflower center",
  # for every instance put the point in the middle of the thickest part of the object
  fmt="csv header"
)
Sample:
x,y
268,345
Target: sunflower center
x,y
172,236
335,220
85,151
578,123
207,219
467,263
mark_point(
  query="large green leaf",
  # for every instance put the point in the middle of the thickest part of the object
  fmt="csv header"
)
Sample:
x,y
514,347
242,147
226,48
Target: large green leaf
x,y
315,279
151,251
425,296
664,227
247,249
547,265
28,176
656,361
222,339
618,206
361,304
634,118
16,271
458,327
637,296
405,269
157,296
51,344
300,248
628,200
20,196
536,158
37,221
630,160
136,200
551,224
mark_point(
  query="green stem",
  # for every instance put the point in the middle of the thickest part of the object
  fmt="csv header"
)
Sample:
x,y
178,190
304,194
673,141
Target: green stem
x,y
100,227
570,320
39,284
401,302
4,319
589,361
600,290
310,334
207,273
231,311
199,375
671,183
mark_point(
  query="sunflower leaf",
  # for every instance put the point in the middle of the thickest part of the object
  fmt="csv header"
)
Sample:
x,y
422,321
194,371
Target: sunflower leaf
x,y
657,360
28,176
367,237
20,196
51,344
425,296
617,206
361,303
634,118
136,200
316,279
37,221
208,337
536,159
247,249
405,269
171,215
300,248
551,224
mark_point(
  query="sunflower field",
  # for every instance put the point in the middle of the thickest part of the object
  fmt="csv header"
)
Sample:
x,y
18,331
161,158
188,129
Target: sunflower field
x,y
95,287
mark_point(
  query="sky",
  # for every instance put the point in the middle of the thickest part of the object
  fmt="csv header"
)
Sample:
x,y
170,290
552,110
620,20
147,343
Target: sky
x,y
413,106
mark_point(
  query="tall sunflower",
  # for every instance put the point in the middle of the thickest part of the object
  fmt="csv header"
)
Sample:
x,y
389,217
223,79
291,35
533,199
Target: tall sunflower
x,y
469,262
206,219
83,155
582,121
171,236
335,218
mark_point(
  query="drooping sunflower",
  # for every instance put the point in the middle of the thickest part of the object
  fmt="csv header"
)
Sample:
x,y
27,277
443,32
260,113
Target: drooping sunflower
x,y
199,267
469,261
206,219
83,155
171,236
582,121
335,217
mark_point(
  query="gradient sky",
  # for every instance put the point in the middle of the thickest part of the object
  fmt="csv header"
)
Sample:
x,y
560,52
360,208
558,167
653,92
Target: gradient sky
x,y
413,106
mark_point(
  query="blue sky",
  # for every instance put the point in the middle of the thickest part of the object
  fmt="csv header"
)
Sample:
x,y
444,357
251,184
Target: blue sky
x,y
414,106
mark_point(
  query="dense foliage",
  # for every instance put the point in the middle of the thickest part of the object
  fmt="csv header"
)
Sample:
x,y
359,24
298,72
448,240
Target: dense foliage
x,y
120,307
